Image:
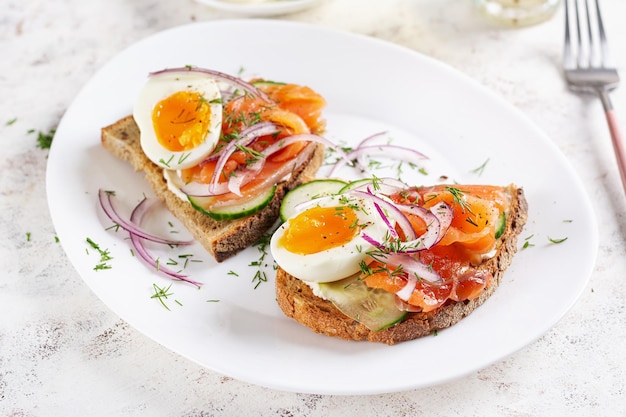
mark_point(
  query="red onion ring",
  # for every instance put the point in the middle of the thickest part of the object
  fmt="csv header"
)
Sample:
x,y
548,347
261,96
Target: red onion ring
x,y
239,179
136,241
303,137
395,213
406,291
229,149
111,211
277,176
246,137
356,157
390,227
412,266
220,76
215,188
371,138
243,176
438,220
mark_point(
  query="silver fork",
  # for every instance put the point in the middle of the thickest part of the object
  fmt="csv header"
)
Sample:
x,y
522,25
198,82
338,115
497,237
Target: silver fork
x,y
592,70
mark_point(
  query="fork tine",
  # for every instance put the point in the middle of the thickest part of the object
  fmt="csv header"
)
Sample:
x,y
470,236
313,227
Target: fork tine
x,y
605,55
581,55
568,59
591,52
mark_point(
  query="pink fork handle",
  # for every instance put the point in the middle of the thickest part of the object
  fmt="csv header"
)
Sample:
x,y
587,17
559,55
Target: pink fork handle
x,y
616,134
618,144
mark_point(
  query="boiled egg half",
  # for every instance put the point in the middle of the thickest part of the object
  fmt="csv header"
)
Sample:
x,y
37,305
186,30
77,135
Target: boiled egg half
x,y
324,243
179,115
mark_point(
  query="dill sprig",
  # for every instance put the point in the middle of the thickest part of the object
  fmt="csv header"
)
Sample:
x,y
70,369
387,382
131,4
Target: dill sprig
x,y
262,244
162,294
105,255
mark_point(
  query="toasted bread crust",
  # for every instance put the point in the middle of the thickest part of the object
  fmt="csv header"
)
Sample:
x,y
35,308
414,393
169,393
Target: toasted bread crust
x,y
221,238
296,299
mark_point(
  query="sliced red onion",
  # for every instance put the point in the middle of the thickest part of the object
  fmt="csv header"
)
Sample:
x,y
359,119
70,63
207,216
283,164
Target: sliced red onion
x,y
356,157
277,176
111,211
371,138
412,266
383,215
219,76
406,291
200,189
232,146
246,137
371,240
136,218
244,176
438,220
214,188
392,210
303,137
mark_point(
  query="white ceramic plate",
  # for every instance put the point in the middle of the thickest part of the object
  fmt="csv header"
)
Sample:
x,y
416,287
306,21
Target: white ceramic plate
x,y
377,86
260,7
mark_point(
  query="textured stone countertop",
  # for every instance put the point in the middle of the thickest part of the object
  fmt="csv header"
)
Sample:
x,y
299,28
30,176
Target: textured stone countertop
x,y
64,353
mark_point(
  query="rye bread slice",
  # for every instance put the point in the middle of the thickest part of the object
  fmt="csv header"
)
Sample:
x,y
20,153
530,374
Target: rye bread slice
x,y
296,299
221,238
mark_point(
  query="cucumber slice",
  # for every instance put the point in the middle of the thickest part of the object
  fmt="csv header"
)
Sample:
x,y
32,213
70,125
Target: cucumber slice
x,y
306,192
372,307
203,205
501,225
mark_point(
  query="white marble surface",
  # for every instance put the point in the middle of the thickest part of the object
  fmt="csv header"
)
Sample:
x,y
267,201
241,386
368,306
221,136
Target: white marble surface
x,y
63,353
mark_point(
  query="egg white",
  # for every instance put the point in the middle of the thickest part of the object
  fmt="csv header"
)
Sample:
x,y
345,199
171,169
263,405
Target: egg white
x,y
335,263
158,88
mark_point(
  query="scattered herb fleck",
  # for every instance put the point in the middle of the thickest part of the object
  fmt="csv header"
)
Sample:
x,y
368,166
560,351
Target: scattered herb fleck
x,y
44,140
527,243
233,273
105,256
28,236
10,122
260,276
479,170
557,241
161,294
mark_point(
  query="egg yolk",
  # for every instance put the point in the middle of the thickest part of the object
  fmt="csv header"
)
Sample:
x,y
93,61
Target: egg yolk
x,y
181,121
319,229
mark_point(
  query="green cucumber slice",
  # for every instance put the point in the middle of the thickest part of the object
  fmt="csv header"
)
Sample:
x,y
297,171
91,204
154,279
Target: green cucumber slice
x,y
203,204
501,225
372,307
306,192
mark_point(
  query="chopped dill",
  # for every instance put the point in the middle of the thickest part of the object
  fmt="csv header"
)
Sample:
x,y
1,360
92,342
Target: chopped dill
x,y
105,255
479,170
162,294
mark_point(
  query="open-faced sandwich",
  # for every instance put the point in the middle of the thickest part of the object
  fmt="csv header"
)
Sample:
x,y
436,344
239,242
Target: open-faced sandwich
x,y
221,152
377,260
